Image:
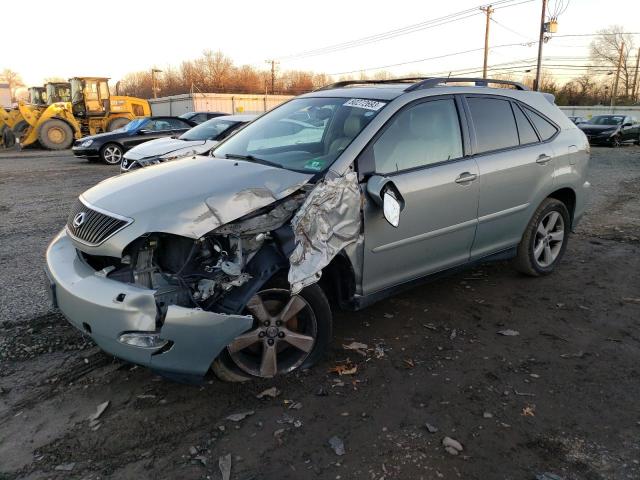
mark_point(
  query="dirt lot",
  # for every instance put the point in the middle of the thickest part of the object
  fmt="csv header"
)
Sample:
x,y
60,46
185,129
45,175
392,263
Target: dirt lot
x,y
560,397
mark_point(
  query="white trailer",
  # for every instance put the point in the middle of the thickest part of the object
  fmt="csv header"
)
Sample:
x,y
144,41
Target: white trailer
x,y
215,102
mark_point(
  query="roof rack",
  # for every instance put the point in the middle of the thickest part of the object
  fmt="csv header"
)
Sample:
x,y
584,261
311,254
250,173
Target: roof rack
x,y
346,83
479,82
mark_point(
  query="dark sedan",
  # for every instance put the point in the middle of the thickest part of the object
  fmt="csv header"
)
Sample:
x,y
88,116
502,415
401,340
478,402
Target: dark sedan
x,y
110,147
613,130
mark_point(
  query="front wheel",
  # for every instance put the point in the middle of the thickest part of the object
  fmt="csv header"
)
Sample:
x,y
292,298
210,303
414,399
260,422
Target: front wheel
x,y
54,134
288,333
545,239
111,154
616,141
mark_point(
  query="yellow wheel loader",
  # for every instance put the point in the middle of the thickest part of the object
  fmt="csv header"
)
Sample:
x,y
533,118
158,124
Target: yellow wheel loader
x,y
89,110
40,98
98,111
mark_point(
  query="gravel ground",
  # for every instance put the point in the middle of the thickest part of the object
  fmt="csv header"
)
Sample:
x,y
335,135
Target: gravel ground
x,y
36,194
559,397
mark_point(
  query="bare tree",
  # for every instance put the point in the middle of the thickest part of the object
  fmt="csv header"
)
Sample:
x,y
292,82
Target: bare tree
x,y
605,51
14,80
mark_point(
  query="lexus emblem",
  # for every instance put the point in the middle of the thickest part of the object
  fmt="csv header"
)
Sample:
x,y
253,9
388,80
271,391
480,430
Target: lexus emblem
x,y
78,219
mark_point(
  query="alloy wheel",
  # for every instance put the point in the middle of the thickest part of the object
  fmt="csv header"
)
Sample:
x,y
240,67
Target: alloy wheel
x,y
283,335
615,141
112,155
548,239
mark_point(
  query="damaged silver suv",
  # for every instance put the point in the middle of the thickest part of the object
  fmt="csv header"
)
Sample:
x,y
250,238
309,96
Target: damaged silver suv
x,y
338,197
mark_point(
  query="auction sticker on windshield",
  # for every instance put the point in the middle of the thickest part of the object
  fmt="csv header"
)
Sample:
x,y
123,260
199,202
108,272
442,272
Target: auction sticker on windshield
x,y
366,104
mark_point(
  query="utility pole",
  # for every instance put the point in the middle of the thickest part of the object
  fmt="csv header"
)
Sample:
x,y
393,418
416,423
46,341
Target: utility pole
x,y
635,78
614,94
536,83
488,10
273,75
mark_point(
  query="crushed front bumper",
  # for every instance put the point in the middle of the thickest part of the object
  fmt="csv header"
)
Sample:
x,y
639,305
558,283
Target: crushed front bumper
x,y
104,309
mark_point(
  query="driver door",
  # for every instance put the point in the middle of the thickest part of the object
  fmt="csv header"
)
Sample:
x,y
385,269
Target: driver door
x,y
421,151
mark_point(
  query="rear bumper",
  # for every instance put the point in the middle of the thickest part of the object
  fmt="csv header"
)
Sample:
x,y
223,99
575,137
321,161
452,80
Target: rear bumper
x,y
104,309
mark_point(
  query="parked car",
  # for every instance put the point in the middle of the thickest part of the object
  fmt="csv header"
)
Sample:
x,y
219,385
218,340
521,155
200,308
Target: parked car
x,y
230,261
200,117
578,120
612,130
197,141
111,146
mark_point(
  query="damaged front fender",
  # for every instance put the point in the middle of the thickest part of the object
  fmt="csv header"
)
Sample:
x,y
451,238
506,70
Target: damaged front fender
x,y
328,221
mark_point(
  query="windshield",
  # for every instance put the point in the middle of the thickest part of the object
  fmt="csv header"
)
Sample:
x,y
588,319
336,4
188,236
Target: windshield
x,y
134,124
306,134
209,130
607,120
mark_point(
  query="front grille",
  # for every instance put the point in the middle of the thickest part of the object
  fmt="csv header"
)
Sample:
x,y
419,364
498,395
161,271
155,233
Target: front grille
x,y
91,226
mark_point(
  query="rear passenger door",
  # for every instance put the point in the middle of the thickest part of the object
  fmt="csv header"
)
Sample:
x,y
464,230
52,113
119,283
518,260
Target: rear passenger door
x,y
421,150
516,163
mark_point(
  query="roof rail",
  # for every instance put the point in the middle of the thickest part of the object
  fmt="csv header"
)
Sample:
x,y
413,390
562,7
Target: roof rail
x,y
346,83
479,82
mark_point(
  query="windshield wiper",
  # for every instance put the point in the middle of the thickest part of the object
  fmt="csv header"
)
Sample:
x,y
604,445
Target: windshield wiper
x,y
251,158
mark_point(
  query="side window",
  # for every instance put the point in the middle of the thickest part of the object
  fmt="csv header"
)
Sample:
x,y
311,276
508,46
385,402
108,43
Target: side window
x,y
525,130
174,123
420,135
494,123
544,127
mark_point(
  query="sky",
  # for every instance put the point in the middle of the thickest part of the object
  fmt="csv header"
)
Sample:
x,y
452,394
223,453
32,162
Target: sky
x,y
112,38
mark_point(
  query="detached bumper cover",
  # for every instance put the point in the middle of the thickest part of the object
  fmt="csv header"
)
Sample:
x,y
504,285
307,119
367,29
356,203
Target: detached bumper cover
x,y
197,336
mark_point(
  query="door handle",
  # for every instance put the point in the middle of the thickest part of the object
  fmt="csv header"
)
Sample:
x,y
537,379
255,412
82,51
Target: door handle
x,y
466,177
543,159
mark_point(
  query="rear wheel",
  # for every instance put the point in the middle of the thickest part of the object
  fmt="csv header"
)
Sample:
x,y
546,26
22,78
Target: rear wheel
x,y
289,332
545,239
55,134
111,154
117,123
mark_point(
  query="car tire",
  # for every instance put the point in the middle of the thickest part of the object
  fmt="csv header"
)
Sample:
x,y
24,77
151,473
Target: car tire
x,y
117,123
55,134
242,365
616,141
541,247
111,154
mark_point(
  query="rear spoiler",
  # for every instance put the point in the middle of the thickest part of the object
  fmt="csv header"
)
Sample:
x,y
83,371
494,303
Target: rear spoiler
x,y
551,98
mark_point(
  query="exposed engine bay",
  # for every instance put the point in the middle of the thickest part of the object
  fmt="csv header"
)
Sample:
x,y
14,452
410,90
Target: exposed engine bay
x,y
200,273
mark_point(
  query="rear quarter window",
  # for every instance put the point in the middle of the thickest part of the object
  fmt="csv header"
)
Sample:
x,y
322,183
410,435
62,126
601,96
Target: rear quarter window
x,y
494,123
545,128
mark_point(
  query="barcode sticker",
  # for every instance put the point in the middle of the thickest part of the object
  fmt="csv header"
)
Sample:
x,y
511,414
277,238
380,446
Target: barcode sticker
x,y
366,104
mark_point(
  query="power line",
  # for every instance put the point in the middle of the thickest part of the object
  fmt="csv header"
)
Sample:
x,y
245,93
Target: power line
x,y
423,59
453,17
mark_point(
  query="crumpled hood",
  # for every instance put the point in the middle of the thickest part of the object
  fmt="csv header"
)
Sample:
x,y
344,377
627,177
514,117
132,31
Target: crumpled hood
x,y
189,198
162,146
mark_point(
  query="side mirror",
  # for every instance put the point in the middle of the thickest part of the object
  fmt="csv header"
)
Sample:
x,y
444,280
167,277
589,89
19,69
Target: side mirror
x,y
386,195
628,124
391,208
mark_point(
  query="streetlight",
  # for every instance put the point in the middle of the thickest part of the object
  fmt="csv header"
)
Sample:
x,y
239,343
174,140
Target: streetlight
x,y
154,88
